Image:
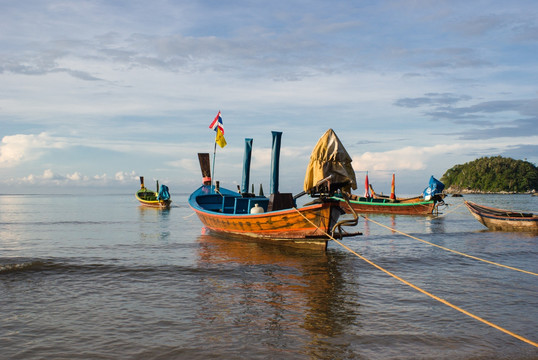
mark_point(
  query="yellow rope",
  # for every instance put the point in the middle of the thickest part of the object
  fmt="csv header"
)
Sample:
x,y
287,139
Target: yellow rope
x,y
427,293
448,212
453,251
438,298
188,216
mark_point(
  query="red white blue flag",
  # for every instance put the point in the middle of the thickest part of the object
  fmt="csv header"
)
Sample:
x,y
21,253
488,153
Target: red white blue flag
x,y
217,124
219,129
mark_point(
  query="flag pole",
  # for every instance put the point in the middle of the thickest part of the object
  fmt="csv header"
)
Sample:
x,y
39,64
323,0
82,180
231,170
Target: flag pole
x,y
213,170
217,126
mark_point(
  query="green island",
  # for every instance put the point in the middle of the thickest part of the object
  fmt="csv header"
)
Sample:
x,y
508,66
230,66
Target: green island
x,y
492,175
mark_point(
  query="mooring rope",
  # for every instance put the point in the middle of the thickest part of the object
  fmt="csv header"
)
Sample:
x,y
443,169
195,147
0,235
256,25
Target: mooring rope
x,y
188,216
519,337
447,249
440,299
448,212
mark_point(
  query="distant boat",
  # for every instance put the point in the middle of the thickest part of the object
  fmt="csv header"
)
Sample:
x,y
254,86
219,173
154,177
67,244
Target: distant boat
x,y
157,199
503,220
387,206
381,204
276,218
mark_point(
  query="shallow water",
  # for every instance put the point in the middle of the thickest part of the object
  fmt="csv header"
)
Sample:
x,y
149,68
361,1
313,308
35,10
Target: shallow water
x,y
86,277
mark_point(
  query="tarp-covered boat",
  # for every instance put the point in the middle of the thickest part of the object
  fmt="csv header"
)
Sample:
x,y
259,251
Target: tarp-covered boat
x,y
503,220
277,217
158,199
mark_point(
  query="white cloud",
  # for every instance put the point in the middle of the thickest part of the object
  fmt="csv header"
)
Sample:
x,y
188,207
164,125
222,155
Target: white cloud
x,y
122,176
408,158
15,149
100,178
48,175
76,176
77,179
416,158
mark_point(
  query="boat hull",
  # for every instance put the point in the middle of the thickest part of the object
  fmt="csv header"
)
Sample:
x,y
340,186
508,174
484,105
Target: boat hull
x,y
306,226
503,220
385,206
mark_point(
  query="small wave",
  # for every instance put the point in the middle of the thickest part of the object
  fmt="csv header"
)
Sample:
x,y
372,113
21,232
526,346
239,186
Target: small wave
x,y
21,267
64,222
79,266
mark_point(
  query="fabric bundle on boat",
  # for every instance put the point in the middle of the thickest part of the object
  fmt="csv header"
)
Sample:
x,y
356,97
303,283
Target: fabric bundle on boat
x,y
329,157
164,193
435,187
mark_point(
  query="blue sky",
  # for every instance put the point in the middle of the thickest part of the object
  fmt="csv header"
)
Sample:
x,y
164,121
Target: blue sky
x,y
95,93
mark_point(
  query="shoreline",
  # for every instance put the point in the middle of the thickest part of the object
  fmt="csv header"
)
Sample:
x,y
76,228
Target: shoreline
x,y
480,192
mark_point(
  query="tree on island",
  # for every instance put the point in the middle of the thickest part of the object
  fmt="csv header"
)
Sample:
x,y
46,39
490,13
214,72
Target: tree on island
x,y
492,175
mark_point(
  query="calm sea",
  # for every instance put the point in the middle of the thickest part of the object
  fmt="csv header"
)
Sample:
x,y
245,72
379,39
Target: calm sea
x,y
99,277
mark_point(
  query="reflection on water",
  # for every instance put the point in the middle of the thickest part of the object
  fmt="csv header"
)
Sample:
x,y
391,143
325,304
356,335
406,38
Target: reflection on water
x,y
366,227
434,225
159,216
288,297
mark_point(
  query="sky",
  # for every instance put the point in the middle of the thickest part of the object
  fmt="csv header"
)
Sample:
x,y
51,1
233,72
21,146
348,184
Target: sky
x,y
94,94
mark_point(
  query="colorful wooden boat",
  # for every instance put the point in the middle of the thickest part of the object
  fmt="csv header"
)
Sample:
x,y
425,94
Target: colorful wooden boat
x,y
227,212
503,220
157,199
388,206
424,204
275,218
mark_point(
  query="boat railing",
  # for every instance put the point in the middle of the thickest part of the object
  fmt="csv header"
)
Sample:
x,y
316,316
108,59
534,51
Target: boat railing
x,y
230,204
210,202
243,205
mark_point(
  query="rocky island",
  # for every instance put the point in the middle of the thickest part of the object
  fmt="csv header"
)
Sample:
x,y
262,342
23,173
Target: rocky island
x,y
492,175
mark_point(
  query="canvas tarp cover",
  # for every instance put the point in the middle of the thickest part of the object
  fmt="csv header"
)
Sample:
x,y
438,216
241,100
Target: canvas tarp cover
x,y
164,193
435,187
329,157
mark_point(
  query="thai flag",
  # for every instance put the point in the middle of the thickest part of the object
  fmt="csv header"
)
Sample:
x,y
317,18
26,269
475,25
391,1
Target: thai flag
x,y
217,123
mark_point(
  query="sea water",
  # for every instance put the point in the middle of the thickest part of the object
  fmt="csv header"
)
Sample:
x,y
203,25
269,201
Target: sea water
x,y
100,277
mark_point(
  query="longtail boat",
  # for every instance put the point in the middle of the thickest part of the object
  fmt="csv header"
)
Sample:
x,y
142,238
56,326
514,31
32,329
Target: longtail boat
x,y
276,218
503,220
424,204
387,206
157,199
